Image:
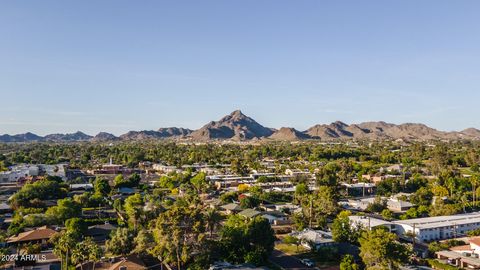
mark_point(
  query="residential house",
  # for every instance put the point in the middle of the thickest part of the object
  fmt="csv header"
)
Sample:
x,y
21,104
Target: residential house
x,y
367,222
276,217
100,233
359,189
250,213
314,239
166,168
231,208
131,262
298,172
396,205
460,260
39,235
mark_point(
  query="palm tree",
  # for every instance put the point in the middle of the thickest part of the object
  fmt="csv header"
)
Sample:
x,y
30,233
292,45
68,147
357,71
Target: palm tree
x,y
474,181
464,200
94,251
213,218
63,243
80,254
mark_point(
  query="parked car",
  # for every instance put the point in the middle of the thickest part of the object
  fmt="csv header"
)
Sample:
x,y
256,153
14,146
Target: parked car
x,y
308,262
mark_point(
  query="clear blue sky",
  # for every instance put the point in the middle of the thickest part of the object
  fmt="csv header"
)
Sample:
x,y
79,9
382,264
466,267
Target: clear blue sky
x,y
132,65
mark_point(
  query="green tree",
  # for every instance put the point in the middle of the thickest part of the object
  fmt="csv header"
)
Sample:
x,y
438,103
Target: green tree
x,y
85,251
319,205
249,202
33,195
263,179
166,182
144,243
134,209
121,242
301,191
342,229
229,197
120,181
199,182
238,166
348,263
179,233
64,242
118,205
65,209
440,208
379,249
77,226
246,241
387,214
212,218
101,186
300,221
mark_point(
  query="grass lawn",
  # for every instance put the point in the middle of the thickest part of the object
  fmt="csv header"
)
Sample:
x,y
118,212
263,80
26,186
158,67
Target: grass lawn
x,y
291,249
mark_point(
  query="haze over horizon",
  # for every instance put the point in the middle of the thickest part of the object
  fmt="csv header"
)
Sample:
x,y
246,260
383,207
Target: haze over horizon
x,y
116,66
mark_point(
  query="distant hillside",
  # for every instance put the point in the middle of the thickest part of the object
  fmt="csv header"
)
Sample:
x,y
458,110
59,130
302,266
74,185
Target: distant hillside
x,y
289,134
26,137
174,132
69,137
104,137
162,133
238,127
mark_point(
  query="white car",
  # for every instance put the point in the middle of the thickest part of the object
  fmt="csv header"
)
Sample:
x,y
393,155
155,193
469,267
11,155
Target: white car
x,y
308,262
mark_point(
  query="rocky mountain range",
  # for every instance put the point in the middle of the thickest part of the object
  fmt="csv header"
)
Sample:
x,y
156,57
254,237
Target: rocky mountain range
x,y
239,127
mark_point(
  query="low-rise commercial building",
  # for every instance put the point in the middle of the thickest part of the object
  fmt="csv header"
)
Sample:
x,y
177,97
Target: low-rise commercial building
x,y
424,229
438,228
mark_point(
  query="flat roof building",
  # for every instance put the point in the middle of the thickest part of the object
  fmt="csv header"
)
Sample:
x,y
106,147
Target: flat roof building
x,y
438,228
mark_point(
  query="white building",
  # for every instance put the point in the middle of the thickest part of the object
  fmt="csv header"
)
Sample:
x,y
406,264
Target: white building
x,y
297,172
17,172
166,168
438,228
396,205
367,222
425,229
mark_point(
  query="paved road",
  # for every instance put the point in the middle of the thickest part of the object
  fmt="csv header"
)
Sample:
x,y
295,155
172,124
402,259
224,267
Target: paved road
x,y
287,262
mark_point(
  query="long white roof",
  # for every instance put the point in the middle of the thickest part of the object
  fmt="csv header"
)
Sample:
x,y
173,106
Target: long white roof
x,y
441,221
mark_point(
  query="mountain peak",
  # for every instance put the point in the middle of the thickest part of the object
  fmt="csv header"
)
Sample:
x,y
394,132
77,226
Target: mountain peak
x,y
237,113
236,126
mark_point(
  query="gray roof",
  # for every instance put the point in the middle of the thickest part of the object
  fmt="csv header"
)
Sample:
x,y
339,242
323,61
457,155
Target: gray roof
x,y
314,236
274,213
231,207
250,213
398,204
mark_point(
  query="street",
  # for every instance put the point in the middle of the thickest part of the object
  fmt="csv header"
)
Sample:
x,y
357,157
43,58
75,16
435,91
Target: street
x,y
287,262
